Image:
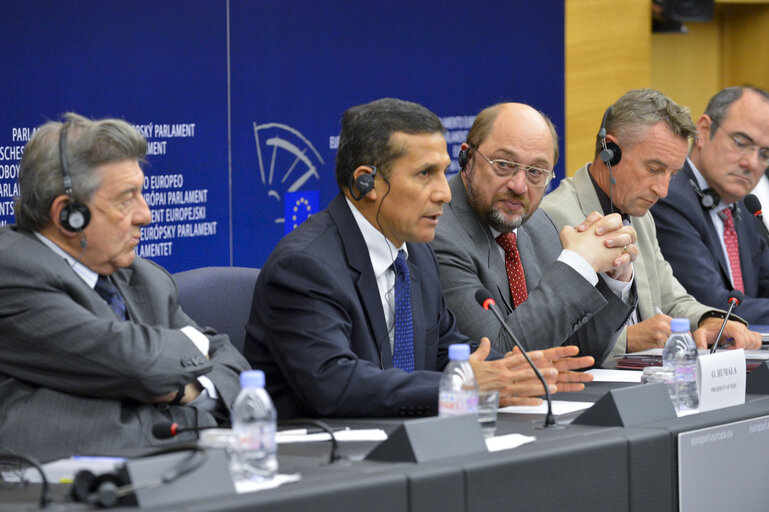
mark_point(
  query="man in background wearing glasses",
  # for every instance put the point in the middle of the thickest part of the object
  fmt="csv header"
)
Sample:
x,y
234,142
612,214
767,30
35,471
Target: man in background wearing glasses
x,y
492,235
643,141
704,230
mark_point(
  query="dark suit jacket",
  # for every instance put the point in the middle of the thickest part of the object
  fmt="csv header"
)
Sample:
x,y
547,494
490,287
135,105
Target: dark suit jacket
x,y
318,330
690,244
562,306
73,377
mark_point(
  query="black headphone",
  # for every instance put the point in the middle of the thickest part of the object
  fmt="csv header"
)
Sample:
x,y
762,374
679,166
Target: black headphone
x,y
364,183
611,153
75,215
463,157
709,198
110,489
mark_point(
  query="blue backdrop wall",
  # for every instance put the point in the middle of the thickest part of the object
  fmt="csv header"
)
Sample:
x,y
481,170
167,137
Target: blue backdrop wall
x,y
240,100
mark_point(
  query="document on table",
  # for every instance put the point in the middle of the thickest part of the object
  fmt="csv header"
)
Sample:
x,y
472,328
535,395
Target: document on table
x,y
559,407
365,434
600,375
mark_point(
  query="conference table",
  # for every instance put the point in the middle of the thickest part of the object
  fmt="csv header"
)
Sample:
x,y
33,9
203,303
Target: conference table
x,y
574,468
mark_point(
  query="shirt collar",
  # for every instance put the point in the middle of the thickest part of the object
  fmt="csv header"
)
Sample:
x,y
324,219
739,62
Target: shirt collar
x,y
381,250
86,274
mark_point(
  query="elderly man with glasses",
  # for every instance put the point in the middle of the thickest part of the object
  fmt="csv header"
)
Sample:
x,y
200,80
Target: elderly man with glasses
x,y
575,288
704,229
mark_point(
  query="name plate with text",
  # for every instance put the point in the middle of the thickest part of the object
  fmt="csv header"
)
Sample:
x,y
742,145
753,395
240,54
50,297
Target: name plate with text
x,y
721,379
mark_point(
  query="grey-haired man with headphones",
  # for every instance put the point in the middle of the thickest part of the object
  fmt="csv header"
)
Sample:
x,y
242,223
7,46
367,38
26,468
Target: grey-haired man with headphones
x,y
642,142
94,348
493,235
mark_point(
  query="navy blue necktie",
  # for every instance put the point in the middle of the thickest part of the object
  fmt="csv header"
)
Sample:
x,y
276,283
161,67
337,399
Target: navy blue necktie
x,y
111,295
403,347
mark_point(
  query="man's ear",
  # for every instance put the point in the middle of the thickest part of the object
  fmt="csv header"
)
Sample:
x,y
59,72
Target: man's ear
x,y
704,127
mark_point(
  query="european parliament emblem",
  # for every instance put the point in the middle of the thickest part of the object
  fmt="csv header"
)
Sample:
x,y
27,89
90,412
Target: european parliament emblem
x,y
288,163
298,206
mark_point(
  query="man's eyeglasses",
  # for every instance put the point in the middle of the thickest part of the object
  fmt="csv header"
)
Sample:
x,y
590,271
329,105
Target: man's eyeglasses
x,y
506,169
745,146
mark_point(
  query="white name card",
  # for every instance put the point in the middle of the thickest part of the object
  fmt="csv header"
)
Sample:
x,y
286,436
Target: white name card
x,y
721,379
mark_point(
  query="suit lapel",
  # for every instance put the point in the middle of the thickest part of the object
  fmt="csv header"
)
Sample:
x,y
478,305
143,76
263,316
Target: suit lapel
x,y
711,239
359,262
483,241
533,272
136,297
589,203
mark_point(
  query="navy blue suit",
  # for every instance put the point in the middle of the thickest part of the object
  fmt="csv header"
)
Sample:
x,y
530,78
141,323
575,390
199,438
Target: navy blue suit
x,y
691,245
318,330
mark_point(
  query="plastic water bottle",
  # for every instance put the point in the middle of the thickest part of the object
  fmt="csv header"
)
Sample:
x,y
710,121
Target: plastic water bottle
x,y
680,353
254,423
458,392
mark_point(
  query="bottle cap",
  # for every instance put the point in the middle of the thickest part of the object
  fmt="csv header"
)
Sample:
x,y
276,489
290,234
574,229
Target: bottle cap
x,y
679,325
252,379
459,352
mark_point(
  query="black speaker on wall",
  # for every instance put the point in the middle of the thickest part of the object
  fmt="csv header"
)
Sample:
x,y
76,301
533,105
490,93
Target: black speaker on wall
x,y
686,10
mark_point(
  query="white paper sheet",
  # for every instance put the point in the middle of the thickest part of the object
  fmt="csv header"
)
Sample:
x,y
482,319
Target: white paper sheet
x,y
559,407
600,375
508,441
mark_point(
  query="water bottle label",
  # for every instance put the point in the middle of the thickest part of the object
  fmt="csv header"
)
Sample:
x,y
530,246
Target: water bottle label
x,y
456,403
256,437
686,373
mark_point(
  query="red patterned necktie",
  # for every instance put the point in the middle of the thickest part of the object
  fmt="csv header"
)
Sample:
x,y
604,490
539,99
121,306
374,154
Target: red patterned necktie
x,y
733,249
515,277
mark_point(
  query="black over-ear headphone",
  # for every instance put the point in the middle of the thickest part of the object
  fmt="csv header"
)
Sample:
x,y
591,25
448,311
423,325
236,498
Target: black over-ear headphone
x,y
109,489
709,198
611,153
75,215
364,183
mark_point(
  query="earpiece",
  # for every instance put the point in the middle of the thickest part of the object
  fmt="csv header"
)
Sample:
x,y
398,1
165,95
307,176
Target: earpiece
x,y
364,184
709,198
611,154
462,158
75,215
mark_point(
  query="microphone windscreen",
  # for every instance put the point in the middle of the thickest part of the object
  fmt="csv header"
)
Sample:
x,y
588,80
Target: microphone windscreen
x,y
164,430
482,295
736,295
752,204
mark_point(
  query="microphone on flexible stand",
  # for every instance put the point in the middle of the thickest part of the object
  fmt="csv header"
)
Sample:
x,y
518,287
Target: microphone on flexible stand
x,y
167,430
483,297
735,298
754,207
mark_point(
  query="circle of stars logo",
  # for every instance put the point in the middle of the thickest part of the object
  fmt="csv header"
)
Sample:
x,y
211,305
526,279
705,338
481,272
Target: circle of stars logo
x,y
301,214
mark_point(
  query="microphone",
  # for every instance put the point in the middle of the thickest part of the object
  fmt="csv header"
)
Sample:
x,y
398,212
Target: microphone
x,y
735,298
167,430
483,297
754,207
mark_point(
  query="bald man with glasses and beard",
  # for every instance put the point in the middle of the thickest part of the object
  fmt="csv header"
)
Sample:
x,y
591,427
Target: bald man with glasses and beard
x,y
573,288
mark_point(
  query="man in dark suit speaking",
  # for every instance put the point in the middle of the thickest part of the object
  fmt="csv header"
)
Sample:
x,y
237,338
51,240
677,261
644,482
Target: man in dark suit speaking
x,y
94,348
348,318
